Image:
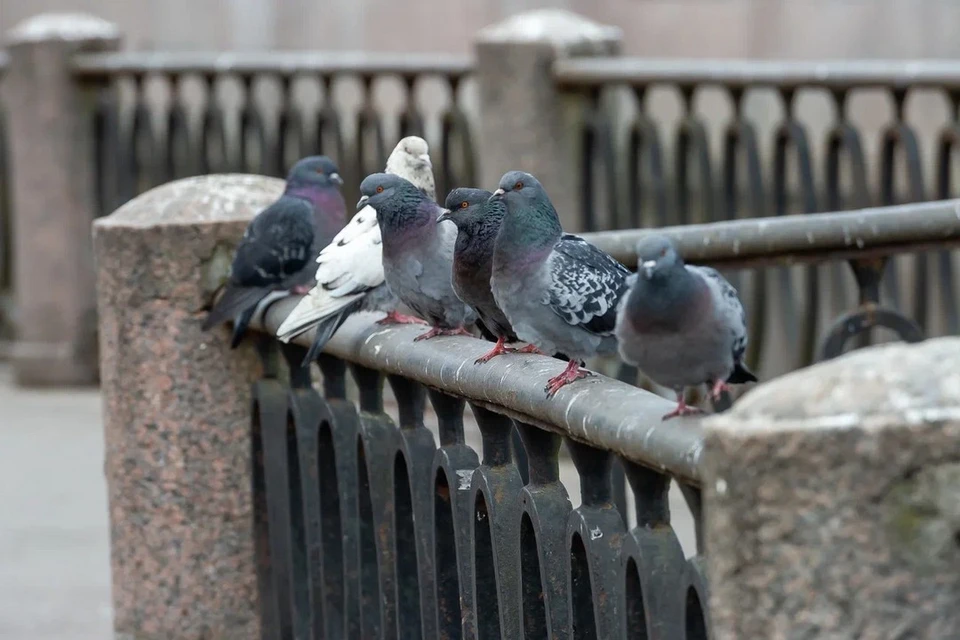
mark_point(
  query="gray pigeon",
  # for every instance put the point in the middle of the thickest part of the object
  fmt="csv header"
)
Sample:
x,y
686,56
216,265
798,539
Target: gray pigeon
x,y
559,292
682,325
279,245
478,219
417,252
350,272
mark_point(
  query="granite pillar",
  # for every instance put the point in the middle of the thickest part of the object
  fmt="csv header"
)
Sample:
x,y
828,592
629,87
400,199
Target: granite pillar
x,y
52,178
832,500
525,122
176,412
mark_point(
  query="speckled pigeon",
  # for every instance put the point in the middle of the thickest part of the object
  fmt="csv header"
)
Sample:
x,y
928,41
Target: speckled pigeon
x,y
478,219
277,249
682,325
559,292
350,272
417,253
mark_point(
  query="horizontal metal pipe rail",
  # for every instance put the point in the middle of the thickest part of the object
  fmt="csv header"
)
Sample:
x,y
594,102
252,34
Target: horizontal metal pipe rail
x,y
103,66
742,74
804,238
603,412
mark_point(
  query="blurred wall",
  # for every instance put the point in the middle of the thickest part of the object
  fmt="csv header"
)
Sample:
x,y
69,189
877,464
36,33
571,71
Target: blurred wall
x,y
720,28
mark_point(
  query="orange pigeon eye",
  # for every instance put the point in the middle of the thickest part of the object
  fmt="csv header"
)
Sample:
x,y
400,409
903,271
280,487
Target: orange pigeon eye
x,y
380,189
464,205
519,185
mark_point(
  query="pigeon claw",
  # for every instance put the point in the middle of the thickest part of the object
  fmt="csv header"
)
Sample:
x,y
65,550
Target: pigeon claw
x,y
719,387
398,318
683,409
529,349
437,331
498,350
300,289
572,373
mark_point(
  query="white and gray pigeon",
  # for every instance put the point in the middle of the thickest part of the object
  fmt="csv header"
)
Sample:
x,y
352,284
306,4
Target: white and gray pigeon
x,y
417,253
559,292
350,269
280,243
682,325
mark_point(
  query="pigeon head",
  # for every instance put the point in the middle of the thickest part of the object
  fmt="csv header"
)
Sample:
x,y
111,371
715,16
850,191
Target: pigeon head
x,y
657,255
465,206
519,186
314,172
411,157
398,202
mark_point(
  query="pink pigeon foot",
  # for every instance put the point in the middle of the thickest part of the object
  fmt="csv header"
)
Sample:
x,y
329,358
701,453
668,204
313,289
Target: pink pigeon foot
x,y
398,318
300,289
529,349
718,387
683,409
437,331
498,350
570,374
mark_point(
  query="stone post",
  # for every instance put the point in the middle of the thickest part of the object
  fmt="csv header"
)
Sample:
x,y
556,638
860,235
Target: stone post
x,y
832,500
51,146
177,412
525,122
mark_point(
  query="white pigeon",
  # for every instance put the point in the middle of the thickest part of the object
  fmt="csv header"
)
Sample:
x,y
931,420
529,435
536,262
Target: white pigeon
x,y
350,275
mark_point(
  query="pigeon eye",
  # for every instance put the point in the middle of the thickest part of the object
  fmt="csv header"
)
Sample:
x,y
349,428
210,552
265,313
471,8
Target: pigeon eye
x,y
464,205
519,185
663,253
380,189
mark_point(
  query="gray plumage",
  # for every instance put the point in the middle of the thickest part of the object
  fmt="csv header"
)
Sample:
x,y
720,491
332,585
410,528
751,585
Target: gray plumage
x,y
558,291
278,246
417,252
682,325
478,220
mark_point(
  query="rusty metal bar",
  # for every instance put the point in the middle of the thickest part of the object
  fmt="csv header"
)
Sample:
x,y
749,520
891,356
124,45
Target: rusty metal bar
x,y
804,238
597,72
100,67
605,413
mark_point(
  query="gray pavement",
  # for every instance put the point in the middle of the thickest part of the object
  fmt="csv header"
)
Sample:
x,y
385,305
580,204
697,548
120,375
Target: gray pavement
x,y
54,533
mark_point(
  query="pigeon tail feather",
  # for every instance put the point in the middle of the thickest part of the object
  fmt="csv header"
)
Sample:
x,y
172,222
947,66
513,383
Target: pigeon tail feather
x,y
234,301
240,325
741,375
327,327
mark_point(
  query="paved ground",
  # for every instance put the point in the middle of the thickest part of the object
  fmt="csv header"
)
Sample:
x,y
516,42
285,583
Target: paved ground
x,y
54,536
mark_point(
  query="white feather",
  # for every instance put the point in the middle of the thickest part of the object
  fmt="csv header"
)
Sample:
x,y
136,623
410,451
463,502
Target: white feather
x,y
352,263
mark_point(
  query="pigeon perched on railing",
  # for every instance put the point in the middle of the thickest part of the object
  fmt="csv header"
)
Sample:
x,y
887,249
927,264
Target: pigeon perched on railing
x,y
682,325
350,272
417,253
278,247
478,219
559,292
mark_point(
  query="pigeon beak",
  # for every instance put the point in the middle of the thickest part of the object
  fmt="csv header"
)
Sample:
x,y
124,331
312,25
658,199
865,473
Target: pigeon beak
x,y
425,157
444,216
496,194
648,268
362,202
336,179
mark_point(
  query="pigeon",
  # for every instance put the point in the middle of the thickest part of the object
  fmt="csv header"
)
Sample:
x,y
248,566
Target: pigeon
x,y
682,325
350,273
478,219
417,253
559,292
278,245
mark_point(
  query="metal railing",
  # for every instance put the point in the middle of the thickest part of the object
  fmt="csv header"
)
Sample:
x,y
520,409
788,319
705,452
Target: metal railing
x,y
165,116
401,534
644,171
6,224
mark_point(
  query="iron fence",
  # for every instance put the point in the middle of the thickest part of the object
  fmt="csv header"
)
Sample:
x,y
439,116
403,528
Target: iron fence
x,y
643,170
367,529
6,224
164,116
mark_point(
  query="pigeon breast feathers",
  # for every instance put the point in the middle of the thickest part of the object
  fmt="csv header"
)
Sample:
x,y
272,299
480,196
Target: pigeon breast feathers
x,y
585,285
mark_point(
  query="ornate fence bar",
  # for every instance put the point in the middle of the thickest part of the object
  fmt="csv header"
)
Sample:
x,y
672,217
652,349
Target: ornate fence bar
x,y
326,514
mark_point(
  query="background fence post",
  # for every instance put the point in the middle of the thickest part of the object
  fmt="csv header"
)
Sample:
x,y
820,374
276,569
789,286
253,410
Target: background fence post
x,y
831,500
52,169
525,123
177,412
